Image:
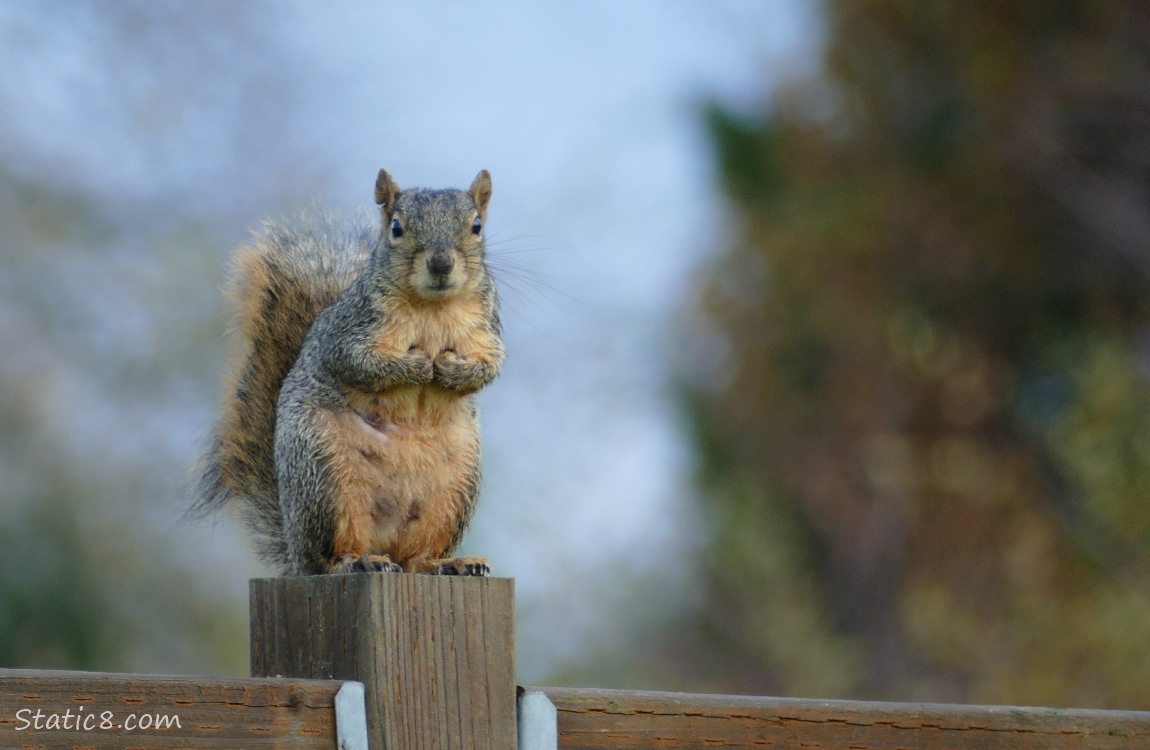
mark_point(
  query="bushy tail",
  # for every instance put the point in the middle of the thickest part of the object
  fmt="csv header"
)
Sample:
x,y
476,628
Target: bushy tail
x,y
279,284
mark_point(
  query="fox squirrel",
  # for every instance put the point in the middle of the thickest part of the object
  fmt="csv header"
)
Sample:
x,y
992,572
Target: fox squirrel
x,y
349,430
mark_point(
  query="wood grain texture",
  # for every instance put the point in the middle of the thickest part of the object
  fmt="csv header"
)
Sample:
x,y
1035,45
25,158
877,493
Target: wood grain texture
x,y
124,711
435,653
600,719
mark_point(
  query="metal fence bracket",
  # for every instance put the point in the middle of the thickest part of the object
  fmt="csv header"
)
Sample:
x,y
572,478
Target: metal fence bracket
x,y
538,722
351,717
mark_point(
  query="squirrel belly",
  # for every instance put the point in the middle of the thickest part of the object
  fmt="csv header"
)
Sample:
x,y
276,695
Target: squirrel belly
x,y
405,484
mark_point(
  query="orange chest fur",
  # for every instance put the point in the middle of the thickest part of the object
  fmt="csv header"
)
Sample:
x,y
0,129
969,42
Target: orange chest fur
x,y
458,325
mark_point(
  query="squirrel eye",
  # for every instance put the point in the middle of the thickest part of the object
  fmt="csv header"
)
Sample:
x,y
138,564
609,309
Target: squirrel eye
x,y
396,229
476,226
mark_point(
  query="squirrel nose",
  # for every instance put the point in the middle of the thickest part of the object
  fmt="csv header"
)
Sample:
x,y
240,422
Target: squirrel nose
x,y
440,264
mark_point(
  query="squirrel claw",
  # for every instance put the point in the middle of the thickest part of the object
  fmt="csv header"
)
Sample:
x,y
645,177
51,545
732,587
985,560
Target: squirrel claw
x,y
460,566
365,564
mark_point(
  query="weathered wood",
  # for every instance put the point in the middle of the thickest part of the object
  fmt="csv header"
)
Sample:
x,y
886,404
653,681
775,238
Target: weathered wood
x,y
616,719
98,711
435,653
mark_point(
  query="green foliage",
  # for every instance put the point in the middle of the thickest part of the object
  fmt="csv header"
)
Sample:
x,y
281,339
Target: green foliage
x,y
52,595
928,462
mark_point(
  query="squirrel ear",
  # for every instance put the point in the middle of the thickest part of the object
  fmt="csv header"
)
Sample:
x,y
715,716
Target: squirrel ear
x,y
385,191
481,191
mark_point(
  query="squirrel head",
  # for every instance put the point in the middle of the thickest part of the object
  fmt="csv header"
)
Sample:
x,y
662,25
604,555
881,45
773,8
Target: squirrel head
x,y
433,239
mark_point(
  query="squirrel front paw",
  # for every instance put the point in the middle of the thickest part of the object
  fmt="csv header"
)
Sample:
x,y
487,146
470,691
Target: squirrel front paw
x,y
459,372
418,366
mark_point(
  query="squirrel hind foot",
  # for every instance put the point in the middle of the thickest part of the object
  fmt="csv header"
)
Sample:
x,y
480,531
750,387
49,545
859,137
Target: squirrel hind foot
x,y
364,564
455,566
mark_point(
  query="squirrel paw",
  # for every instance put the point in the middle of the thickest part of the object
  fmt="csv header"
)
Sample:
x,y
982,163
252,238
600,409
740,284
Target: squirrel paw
x,y
365,564
450,365
420,363
457,566
449,358
458,371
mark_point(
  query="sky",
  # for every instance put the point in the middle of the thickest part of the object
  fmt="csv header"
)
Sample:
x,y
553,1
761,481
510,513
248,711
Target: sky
x,y
605,208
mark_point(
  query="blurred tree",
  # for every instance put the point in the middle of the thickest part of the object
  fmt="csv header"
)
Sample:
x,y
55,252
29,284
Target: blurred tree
x,y
89,578
925,432
111,244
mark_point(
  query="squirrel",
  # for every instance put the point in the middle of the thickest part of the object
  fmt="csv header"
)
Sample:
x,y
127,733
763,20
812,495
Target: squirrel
x,y
349,432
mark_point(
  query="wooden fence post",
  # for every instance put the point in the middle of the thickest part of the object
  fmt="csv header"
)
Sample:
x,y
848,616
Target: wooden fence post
x,y
436,654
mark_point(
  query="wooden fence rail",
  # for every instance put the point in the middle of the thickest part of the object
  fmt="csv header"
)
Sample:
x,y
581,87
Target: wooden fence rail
x,y
435,658
48,709
622,720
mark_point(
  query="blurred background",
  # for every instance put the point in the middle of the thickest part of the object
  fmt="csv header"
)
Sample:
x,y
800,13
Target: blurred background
x,y
827,325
